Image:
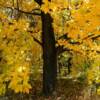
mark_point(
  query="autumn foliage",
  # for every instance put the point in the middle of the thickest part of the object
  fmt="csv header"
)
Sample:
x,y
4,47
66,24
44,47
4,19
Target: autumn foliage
x,y
76,26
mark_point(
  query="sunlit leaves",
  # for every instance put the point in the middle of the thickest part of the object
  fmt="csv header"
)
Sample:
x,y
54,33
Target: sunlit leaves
x,y
48,6
19,81
54,5
16,45
78,20
82,28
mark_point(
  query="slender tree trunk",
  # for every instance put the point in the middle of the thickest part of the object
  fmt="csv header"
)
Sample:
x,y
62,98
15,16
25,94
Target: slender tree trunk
x,y
49,55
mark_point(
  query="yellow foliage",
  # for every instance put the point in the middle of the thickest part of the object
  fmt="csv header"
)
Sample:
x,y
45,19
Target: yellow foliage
x,y
98,91
94,73
79,20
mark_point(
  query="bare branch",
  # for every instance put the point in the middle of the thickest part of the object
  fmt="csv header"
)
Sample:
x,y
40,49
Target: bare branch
x,y
95,37
38,2
87,37
36,40
33,12
25,12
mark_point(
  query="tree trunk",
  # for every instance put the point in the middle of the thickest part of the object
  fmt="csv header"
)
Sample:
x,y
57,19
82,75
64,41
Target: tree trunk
x,y
49,55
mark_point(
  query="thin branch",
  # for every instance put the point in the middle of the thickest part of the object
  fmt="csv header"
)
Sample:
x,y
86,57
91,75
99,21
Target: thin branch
x,y
17,4
25,12
87,37
61,49
95,37
36,40
22,11
38,2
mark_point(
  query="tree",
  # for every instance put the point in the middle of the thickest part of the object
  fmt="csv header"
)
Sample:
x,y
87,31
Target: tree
x,y
49,49
66,26
49,53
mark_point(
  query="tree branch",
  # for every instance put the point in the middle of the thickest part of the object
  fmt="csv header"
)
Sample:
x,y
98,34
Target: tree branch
x,y
36,40
61,49
25,12
87,37
95,37
38,2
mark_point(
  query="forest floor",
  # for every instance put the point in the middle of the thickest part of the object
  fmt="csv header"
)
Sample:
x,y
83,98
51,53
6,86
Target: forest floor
x,y
67,89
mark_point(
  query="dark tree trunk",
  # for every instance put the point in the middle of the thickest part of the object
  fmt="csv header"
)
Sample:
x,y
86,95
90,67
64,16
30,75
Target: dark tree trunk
x,y
49,55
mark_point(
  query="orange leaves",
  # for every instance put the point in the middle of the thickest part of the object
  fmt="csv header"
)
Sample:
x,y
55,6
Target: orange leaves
x,y
45,6
62,42
62,3
48,6
85,20
79,22
54,5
